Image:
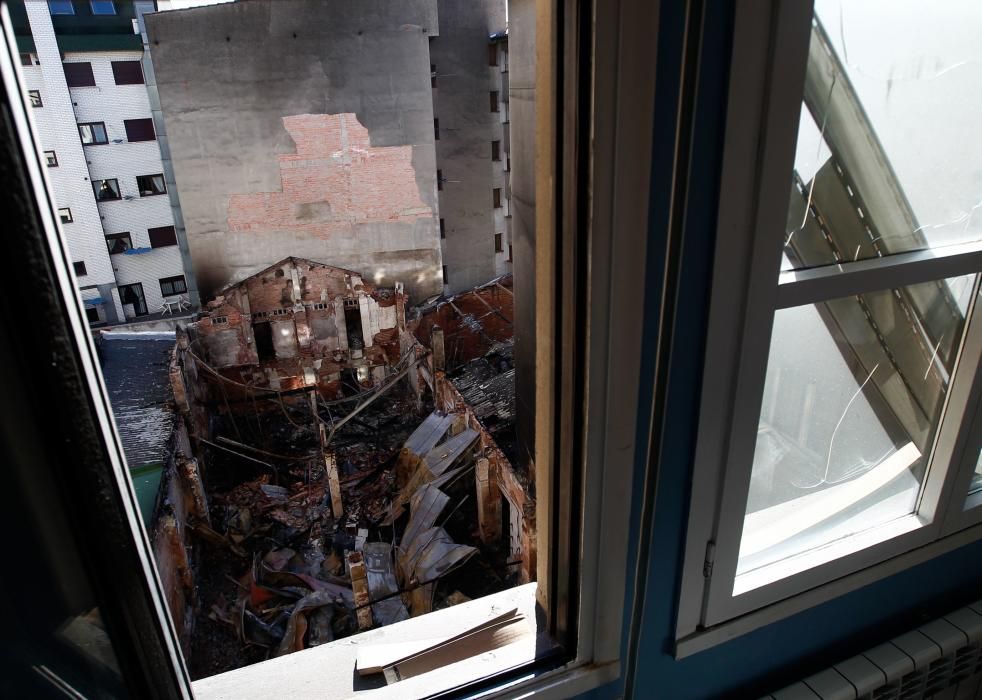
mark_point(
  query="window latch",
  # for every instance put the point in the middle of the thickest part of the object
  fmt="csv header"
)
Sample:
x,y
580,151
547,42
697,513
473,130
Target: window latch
x,y
707,565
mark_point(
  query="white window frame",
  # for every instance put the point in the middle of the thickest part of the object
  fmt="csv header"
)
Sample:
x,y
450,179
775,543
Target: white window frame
x,y
770,51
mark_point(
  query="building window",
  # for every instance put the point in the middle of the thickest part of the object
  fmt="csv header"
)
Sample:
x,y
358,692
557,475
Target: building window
x,y
118,243
92,315
496,196
127,72
439,179
106,190
436,129
496,150
139,130
51,158
509,253
162,236
61,7
494,100
92,133
443,228
446,277
499,246
65,214
150,185
79,75
492,54
171,286
102,7
35,97
79,268
27,59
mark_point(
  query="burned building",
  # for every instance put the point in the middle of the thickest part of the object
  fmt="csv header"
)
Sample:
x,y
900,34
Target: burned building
x,y
300,324
337,468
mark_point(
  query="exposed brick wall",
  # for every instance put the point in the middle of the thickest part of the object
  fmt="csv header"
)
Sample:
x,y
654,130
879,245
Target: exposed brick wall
x,y
335,179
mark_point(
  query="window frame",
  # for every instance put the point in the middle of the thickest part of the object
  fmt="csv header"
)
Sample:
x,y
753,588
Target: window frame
x,y
123,235
142,120
31,95
79,269
747,290
92,6
171,281
117,190
93,124
588,525
89,76
154,231
120,67
139,187
61,3
61,215
48,161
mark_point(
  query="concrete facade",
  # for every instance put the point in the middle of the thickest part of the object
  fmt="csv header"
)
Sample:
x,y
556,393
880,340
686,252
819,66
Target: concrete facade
x,y
310,133
521,43
464,80
77,166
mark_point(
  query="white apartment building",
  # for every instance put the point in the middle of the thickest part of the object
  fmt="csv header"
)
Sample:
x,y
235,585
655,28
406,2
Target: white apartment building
x,y
93,111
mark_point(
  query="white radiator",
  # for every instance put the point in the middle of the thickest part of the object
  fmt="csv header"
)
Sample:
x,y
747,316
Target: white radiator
x,y
940,660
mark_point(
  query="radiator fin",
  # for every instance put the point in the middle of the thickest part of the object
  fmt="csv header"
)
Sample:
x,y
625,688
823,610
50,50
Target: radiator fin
x,y
941,660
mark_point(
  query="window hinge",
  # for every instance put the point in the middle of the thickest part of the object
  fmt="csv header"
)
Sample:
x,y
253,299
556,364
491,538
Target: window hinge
x,y
707,565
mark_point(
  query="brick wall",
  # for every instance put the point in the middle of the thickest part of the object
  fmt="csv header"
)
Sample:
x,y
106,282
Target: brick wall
x,y
336,179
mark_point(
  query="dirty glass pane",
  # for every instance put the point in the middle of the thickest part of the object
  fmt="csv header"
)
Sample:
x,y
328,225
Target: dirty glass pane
x,y
851,404
887,154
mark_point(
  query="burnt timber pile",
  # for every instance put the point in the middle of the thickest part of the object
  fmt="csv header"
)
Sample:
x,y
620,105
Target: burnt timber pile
x,y
341,463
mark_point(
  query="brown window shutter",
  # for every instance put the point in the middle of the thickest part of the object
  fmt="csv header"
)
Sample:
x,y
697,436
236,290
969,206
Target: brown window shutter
x,y
79,74
162,236
139,130
127,72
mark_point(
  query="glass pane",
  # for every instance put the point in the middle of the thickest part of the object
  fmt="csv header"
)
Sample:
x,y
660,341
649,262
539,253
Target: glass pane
x,y
872,176
976,484
852,399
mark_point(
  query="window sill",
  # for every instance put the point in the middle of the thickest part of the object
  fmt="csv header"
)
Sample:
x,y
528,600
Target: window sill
x,y
329,671
709,637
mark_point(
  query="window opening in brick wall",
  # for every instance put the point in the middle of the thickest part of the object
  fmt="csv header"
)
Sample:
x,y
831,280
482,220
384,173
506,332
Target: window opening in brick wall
x,y
139,130
162,236
171,286
79,267
92,133
127,72
35,97
118,243
102,7
51,158
106,190
79,74
150,185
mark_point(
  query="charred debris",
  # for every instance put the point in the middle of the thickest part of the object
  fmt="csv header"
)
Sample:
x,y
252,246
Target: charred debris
x,y
340,462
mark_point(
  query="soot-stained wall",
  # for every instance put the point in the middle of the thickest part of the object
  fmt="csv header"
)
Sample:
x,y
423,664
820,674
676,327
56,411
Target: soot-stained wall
x,y
303,128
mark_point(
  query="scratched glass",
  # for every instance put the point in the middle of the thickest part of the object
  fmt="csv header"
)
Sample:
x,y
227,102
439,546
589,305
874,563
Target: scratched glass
x,y
889,153
852,401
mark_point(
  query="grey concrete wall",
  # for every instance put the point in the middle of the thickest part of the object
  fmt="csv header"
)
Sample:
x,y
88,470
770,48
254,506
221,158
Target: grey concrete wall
x,y
467,127
228,75
521,52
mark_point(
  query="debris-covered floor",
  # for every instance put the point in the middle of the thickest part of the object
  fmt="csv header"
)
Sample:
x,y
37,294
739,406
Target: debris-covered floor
x,y
274,570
